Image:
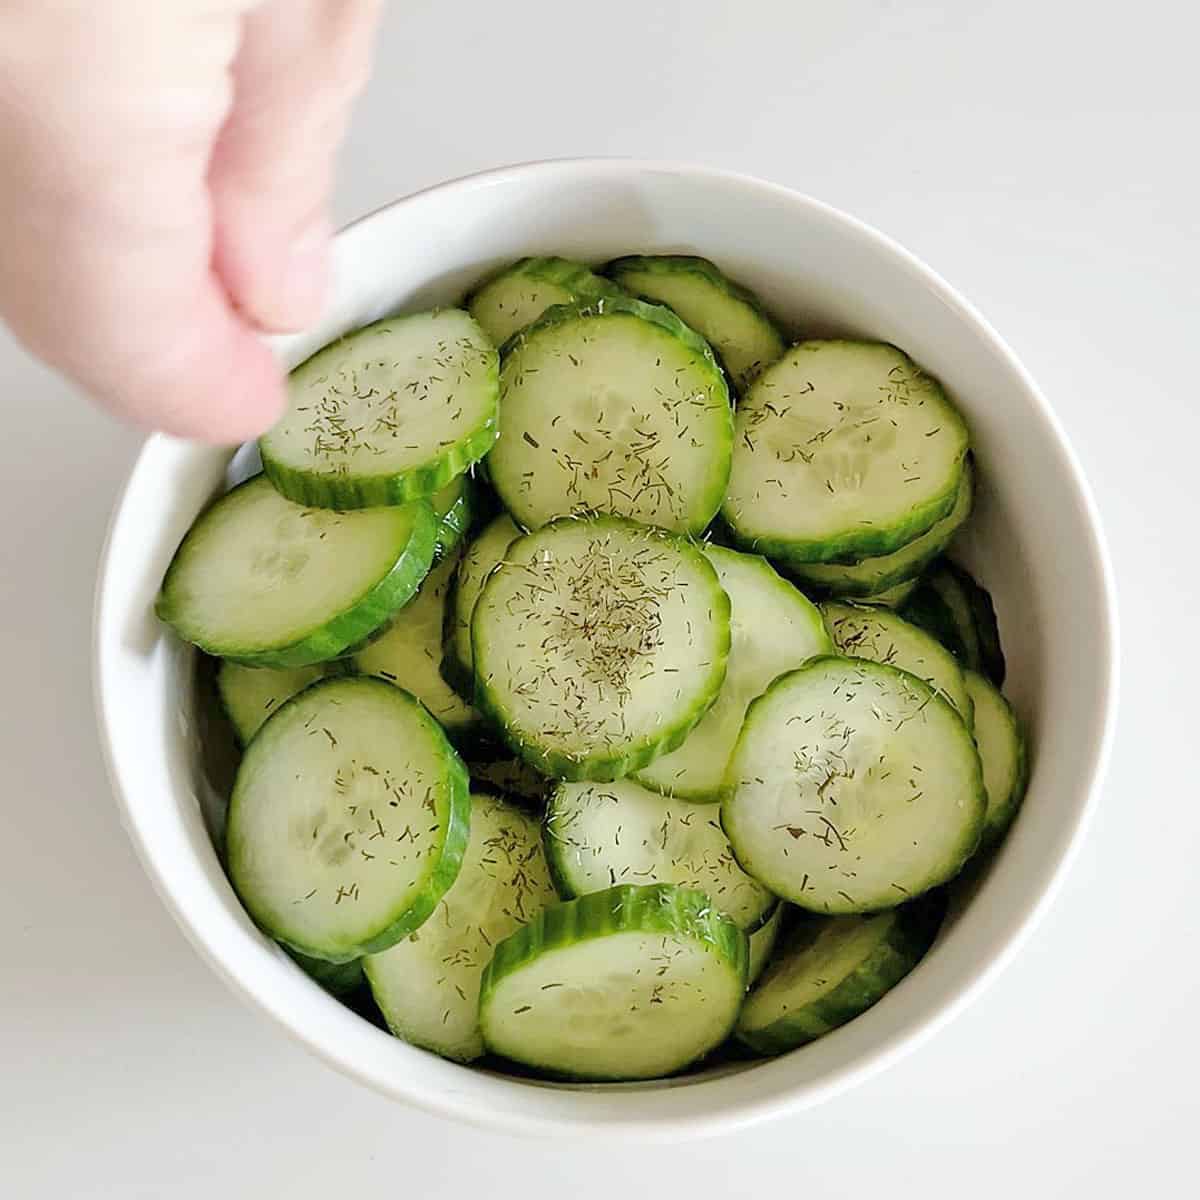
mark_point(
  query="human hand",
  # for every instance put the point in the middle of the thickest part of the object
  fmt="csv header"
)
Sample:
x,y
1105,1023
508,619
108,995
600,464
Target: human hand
x,y
166,170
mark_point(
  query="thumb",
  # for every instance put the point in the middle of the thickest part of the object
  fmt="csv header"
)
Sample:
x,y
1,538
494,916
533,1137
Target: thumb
x,y
300,66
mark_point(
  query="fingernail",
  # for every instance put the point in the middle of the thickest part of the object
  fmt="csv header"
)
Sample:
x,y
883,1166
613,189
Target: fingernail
x,y
304,278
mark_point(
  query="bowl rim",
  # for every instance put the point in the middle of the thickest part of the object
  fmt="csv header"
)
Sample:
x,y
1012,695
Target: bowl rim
x,y
717,1117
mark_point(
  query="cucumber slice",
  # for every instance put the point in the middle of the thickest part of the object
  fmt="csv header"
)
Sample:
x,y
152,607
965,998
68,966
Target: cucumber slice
x,y
891,597
831,969
728,316
869,577
515,780
427,985
1002,753
454,508
521,293
991,653
338,979
612,406
271,584
600,835
598,645
348,819
249,695
390,413
409,654
773,628
959,613
842,450
629,983
884,637
481,556
940,606
762,943
854,786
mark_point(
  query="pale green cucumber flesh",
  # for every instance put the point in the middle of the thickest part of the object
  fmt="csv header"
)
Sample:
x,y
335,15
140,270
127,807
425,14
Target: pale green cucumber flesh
x,y
868,577
628,983
348,819
882,636
427,985
599,835
389,413
409,653
521,293
613,407
891,597
249,695
1002,752
842,450
829,970
598,644
728,316
773,628
270,583
853,787
477,562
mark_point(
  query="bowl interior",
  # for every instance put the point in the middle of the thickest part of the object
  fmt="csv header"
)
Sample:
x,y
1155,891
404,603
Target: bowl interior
x,y
819,272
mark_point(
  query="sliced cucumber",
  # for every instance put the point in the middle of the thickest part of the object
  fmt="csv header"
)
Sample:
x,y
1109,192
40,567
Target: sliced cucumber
x,y
348,819
629,983
458,664
612,406
891,597
869,577
762,943
940,606
959,613
831,969
409,654
427,985
338,979
521,293
1002,753
454,508
842,450
390,413
513,779
598,644
853,787
991,653
773,628
249,695
602,834
271,584
883,637
729,316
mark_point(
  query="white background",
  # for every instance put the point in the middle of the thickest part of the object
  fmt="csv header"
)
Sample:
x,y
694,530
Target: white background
x,y
1042,155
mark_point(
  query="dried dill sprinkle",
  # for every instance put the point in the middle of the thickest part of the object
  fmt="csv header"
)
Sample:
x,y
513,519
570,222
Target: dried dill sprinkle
x,y
581,620
652,445
845,451
385,412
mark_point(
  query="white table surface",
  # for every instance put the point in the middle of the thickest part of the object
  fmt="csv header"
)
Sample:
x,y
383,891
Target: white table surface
x,y
1038,153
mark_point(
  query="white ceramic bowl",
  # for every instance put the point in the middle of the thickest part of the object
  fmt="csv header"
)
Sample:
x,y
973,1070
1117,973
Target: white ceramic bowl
x,y
1035,540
